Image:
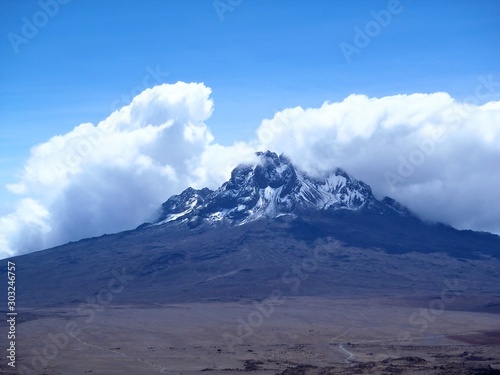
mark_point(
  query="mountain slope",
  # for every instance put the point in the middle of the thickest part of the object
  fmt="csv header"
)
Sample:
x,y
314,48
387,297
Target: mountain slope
x,y
250,261
254,234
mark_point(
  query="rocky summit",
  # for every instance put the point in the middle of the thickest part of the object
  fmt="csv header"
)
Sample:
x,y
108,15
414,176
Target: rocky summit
x,y
271,188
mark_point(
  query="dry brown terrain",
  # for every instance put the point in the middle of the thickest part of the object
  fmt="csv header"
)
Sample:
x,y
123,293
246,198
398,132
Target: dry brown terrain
x,y
300,335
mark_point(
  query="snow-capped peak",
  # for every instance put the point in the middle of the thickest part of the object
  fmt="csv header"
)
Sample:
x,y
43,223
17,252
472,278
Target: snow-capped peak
x,y
273,187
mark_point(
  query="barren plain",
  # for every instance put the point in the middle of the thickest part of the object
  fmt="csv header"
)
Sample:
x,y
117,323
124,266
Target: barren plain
x,y
280,335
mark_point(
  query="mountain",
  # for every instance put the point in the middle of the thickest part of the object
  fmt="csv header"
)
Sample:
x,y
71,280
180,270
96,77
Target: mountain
x,y
334,205
254,234
272,188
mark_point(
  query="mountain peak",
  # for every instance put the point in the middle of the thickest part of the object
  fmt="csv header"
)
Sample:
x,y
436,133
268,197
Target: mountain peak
x,y
270,188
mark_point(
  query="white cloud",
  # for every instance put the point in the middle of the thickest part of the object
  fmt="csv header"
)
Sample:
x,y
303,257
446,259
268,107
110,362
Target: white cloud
x,y
25,227
114,175
437,156
216,163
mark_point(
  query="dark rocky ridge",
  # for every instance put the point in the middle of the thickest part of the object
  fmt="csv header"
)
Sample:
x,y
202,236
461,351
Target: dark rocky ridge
x,y
271,188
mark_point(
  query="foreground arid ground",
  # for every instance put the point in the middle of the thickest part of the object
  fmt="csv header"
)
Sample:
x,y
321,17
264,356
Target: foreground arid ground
x,y
299,335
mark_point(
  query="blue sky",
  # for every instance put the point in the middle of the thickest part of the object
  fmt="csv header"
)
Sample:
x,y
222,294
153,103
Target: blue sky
x,y
262,57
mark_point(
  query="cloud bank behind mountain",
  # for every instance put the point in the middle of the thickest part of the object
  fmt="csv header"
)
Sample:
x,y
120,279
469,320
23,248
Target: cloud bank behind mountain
x,y
438,156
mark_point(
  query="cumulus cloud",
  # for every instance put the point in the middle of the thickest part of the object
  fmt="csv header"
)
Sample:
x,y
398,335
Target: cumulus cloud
x,y
113,176
25,227
439,157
